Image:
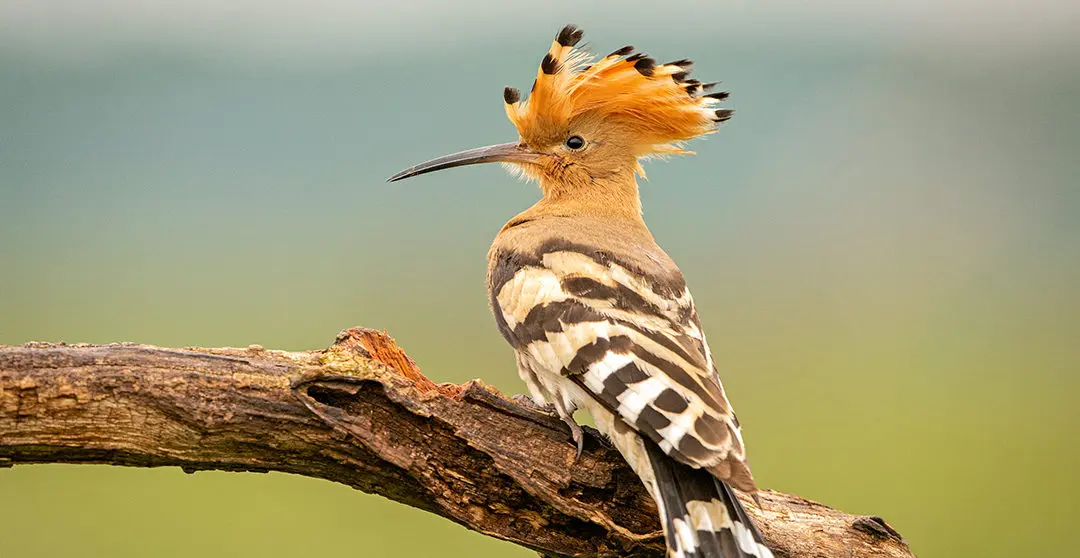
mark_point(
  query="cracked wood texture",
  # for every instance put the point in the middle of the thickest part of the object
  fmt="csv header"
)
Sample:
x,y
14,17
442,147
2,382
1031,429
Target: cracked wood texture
x,y
361,413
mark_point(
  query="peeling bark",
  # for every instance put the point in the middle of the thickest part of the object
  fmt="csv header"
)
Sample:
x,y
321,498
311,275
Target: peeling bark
x,y
361,413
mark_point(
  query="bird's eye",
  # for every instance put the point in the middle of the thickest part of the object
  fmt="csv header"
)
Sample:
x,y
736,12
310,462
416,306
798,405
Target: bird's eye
x,y
575,142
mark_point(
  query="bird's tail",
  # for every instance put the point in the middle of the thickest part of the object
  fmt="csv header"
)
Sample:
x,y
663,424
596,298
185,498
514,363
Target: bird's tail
x,y
701,516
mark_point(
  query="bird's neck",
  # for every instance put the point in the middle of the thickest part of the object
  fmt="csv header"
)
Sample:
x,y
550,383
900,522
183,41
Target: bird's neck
x,y
605,215
614,198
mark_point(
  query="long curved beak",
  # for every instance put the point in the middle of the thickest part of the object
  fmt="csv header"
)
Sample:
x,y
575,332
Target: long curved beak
x,y
513,152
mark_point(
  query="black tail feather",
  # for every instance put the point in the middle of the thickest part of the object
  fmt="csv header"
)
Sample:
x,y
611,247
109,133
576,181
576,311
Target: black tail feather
x,y
701,516
735,508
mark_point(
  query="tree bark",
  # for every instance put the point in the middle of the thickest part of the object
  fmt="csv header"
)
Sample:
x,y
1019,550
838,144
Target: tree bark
x,y
360,413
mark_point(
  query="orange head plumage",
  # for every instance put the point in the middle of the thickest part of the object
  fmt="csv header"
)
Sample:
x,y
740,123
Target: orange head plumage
x,y
587,120
656,107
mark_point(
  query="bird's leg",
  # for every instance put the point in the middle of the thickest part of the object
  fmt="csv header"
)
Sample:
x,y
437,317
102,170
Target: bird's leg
x,y
553,410
577,434
555,400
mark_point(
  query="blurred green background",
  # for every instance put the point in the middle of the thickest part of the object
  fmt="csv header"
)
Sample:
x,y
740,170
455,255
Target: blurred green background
x,y
884,243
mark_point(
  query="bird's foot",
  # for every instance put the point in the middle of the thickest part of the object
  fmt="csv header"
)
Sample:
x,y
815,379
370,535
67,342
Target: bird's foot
x,y
532,405
552,410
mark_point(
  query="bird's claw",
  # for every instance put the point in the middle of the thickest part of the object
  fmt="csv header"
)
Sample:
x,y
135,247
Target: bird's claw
x,y
577,434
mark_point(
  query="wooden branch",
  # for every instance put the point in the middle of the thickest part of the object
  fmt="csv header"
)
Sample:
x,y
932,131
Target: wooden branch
x,y
360,413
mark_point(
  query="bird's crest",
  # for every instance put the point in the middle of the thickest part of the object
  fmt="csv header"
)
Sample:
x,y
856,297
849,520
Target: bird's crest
x,y
657,105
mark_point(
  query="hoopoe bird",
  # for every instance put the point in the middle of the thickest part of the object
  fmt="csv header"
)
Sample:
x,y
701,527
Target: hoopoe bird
x,y
598,315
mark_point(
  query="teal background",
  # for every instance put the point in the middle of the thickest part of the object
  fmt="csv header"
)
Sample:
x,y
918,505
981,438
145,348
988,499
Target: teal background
x,y
884,243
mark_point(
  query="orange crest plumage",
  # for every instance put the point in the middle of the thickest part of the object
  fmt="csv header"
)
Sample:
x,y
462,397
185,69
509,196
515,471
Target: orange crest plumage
x,y
657,105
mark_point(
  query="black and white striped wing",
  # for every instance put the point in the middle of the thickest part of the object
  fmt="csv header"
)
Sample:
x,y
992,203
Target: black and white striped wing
x,y
633,342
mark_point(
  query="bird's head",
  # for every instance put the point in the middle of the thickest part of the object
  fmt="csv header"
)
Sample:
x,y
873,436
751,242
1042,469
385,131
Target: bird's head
x,y
590,121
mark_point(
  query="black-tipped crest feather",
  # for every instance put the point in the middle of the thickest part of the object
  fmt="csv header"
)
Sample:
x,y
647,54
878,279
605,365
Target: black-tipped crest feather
x,y
569,36
645,66
549,65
